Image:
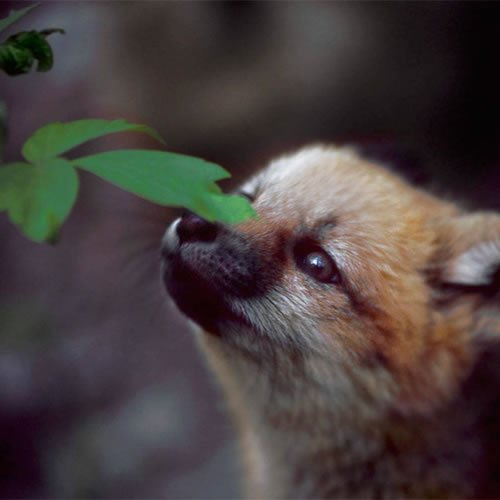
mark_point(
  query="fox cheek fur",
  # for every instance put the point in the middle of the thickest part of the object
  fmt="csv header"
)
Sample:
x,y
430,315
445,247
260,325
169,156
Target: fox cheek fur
x,y
347,325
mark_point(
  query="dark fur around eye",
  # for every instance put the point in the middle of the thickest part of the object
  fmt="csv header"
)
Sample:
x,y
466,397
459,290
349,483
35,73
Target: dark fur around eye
x,y
314,261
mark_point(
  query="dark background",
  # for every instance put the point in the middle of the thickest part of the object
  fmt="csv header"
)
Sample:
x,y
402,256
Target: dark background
x,y
102,391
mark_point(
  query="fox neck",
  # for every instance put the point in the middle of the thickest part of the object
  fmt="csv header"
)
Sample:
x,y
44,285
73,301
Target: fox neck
x,y
302,437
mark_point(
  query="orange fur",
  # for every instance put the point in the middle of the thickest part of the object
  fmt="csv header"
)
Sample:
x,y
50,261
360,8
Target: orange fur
x,y
364,388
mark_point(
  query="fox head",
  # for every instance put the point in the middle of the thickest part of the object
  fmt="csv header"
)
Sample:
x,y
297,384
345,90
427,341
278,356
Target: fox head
x,y
349,280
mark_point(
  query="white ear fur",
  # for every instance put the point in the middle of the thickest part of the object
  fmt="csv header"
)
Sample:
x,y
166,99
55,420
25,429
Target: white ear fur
x,y
475,250
477,265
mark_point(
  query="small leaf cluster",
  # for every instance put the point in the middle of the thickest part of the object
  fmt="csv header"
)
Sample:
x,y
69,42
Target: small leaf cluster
x,y
20,51
39,193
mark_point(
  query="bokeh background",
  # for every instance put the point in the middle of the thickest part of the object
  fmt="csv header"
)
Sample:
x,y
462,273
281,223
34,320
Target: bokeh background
x,y
102,391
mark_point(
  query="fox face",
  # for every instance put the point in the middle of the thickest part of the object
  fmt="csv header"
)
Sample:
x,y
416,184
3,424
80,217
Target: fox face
x,y
345,259
351,298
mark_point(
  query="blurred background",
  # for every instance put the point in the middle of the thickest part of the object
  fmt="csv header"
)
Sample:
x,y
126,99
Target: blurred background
x,y
102,391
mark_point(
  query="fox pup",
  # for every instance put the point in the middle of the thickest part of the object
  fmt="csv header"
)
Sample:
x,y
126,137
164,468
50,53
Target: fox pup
x,y
355,329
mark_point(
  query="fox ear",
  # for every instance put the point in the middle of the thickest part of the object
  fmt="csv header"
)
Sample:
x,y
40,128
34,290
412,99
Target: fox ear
x,y
474,251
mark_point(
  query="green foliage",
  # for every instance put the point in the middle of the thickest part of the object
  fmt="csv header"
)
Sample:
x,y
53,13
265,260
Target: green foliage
x,y
19,52
14,16
39,195
57,138
170,179
3,127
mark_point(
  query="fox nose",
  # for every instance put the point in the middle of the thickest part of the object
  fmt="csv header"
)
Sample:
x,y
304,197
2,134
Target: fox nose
x,y
194,228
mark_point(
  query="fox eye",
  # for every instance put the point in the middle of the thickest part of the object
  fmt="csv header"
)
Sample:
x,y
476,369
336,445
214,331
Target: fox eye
x,y
315,262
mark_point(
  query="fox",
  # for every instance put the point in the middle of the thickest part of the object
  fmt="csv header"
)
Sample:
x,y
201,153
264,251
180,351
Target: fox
x,y
354,327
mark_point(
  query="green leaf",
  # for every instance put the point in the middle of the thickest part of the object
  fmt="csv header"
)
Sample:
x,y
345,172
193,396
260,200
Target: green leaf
x,y
11,181
3,127
41,51
170,179
15,60
56,138
230,208
38,197
14,16
19,52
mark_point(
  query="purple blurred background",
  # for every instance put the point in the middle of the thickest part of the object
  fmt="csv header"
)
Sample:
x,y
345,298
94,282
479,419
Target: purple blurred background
x,y
102,390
